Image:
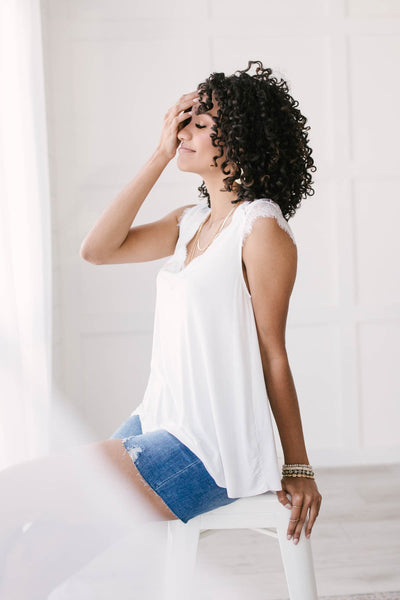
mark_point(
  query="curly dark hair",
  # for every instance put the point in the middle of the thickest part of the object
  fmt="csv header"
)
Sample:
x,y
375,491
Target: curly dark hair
x,y
264,134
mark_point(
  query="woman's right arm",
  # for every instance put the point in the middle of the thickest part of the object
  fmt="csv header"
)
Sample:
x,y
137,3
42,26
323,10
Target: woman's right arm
x,y
112,239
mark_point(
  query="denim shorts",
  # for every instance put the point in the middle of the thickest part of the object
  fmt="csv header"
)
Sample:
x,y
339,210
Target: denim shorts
x,y
172,470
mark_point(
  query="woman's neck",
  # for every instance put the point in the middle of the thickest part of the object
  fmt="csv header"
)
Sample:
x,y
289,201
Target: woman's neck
x,y
220,202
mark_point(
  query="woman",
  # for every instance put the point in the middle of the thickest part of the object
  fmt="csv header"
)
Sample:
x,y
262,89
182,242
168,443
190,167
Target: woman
x,y
202,436
205,404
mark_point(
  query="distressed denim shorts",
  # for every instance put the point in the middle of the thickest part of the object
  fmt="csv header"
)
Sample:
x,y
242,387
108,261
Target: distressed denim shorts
x,y
172,470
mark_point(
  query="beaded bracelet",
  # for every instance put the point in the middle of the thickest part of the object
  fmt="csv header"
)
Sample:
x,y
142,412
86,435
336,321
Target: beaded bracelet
x,y
298,470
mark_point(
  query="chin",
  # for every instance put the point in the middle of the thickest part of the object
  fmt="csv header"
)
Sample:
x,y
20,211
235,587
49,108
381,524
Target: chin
x,y
182,167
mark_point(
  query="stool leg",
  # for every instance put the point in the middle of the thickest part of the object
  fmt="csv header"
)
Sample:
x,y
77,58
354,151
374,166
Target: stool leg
x,y
297,561
182,543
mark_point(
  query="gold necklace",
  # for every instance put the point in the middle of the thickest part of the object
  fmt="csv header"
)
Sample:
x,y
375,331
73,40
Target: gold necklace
x,y
196,242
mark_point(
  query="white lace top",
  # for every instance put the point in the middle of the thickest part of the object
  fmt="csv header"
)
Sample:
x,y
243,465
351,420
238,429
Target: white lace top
x,y
206,383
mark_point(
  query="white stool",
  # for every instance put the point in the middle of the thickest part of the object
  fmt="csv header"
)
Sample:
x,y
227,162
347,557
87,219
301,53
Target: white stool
x,y
264,514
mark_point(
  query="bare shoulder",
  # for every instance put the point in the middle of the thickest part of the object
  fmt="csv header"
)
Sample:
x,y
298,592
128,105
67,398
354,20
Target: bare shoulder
x,y
270,259
268,240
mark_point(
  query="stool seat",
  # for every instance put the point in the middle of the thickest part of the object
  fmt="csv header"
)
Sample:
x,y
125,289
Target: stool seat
x,y
262,513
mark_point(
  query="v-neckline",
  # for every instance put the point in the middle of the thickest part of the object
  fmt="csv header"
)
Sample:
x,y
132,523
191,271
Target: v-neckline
x,y
185,267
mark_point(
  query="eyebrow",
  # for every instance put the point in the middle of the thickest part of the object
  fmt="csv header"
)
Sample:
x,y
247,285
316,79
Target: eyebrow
x,y
203,114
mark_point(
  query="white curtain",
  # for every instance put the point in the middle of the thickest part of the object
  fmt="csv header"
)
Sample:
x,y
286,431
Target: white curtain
x,y
25,244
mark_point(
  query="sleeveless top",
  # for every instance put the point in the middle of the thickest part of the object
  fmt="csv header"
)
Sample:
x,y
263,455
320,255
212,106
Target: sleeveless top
x,y
206,384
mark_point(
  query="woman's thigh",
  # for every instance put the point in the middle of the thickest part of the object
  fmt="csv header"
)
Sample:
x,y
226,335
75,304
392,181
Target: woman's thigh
x,y
172,470
115,451
129,428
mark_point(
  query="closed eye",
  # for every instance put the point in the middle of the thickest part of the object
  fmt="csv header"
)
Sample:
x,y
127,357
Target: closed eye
x,y
200,126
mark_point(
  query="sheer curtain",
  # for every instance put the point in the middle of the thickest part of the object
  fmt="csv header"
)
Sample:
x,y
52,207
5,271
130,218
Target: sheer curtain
x,y
25,243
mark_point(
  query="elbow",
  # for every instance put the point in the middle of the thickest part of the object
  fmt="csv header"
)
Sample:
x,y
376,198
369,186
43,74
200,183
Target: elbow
x,y
274,356
88,256
273,348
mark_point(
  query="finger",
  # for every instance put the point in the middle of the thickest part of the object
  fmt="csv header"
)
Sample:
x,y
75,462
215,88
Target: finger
x,y
283,499
294,520
299,526
314,512
179,120
185,101
307,503
188,98
295,515
185,114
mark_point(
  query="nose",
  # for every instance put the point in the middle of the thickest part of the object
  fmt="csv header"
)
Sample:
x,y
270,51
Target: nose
x,y
185,133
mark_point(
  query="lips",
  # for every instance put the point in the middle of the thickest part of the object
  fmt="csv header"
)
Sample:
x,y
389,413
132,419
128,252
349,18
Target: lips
x,y
185,149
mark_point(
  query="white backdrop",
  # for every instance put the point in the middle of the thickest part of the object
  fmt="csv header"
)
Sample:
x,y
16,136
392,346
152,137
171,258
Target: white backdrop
x,y
25,244
113,68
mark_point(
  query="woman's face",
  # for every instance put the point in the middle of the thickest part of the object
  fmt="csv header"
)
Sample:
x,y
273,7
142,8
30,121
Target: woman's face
x,y
196,152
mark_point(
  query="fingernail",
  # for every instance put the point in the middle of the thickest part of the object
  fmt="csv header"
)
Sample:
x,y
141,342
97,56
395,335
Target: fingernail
x,y
295,541
308,535
289,506
289,537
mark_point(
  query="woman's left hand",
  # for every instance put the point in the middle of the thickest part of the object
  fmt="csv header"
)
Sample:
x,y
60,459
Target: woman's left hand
x,y
305,496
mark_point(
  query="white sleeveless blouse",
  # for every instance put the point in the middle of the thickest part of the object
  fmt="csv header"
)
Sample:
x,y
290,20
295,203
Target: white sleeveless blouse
x,y
206,384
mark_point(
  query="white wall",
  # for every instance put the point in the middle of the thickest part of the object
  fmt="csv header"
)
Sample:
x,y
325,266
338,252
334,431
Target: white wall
x,y
113,69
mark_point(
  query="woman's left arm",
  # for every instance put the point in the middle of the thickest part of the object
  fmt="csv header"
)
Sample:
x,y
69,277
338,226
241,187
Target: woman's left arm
x,y
270,258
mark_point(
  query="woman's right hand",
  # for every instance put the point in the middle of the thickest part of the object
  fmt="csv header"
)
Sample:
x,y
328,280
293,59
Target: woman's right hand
x,y
169,142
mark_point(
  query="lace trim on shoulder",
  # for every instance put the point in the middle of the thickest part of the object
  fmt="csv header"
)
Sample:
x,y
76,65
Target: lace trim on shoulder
x,y
189,211
182,215
265,208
